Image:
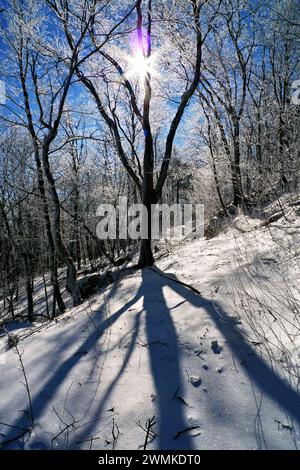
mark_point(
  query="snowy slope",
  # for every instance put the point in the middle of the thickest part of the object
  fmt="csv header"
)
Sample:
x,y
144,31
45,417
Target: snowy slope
x,y
217,370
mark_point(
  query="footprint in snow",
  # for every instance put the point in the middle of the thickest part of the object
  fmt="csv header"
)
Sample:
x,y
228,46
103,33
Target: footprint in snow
x,y
216,348
196,381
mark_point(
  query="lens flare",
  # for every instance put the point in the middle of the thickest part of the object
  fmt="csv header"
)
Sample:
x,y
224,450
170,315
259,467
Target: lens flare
x,y
140,66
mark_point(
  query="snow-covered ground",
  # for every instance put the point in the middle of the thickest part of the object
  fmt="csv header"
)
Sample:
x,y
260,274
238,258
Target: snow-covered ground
x,y
217,370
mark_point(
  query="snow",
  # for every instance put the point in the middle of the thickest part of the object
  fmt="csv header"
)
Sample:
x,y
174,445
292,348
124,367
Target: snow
x,y
147,346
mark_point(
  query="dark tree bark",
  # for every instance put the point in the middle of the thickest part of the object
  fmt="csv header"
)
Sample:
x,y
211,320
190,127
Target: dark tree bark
x,y
29,292
144,182
146,256
41,184
237,178
72,285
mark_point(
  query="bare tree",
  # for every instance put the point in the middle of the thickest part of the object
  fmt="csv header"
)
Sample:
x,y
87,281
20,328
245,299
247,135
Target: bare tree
x,y
150,191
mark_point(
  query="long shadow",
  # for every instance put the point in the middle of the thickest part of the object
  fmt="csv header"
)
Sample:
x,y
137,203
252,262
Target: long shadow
x,y
45,396
259,371
164,355
89,428
165,367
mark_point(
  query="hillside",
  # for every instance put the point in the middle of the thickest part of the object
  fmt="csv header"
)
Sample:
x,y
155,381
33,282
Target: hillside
x,y
216,364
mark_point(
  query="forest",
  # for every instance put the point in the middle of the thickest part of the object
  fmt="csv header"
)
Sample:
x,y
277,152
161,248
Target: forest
x,y
162,104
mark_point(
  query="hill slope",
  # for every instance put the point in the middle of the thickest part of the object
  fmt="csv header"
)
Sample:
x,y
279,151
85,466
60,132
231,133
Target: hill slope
x,y
217,368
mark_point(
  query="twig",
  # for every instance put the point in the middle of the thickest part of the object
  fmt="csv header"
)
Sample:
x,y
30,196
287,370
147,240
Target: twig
x,y
26,384
185,430
150,434
115,433
5,443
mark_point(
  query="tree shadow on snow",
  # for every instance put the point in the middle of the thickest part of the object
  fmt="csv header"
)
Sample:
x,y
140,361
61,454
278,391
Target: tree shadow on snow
x,y
164,358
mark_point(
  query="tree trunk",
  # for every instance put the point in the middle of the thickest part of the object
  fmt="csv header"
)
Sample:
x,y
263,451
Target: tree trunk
x,y
259,143
283,179
215,173
46,297
57,297
41,186
29,299
52,253
146,255
72,284
76,252
29,289
236,176
65,257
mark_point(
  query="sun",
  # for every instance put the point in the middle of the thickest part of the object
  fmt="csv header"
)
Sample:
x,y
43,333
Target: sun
x,y
140,66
